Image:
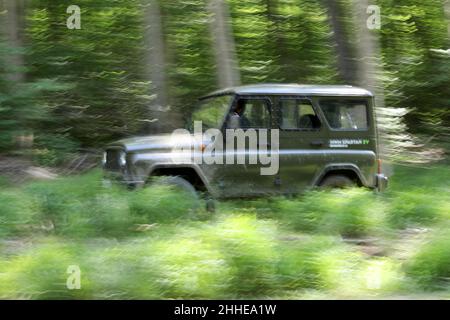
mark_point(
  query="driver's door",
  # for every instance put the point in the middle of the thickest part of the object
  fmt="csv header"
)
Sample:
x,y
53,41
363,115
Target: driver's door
x,y
239,179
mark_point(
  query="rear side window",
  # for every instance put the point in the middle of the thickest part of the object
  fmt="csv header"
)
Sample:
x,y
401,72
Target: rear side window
x,y
345,114
298,114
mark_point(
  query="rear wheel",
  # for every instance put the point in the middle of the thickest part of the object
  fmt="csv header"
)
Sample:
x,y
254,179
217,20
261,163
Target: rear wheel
x,y
337,181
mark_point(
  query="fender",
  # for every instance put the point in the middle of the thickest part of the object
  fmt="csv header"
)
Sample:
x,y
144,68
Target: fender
x,y
339,166
193,166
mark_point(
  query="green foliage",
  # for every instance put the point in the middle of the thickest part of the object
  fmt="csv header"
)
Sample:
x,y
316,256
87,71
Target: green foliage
x,y
186,30
301,265
191,267
418,196
106,92
81,206
411,32
257,249
335,212
249,251
4,182
41,274
414,207
161,204
92,85
17,212
83,88
430,267
235,257
22,106
52,150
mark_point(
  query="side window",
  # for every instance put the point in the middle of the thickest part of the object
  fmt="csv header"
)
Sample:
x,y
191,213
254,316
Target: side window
x,y
250,113
345,114
297,114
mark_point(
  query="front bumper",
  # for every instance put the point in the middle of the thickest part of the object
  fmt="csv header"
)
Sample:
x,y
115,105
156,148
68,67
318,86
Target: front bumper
x,y
381,182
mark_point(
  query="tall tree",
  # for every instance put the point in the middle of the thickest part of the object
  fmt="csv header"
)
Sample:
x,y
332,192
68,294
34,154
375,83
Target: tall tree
x,y
191,61
223,44
368,51
346,60
101,66
392,133
252,30
13,31
299,42
16,109
155,63
447,13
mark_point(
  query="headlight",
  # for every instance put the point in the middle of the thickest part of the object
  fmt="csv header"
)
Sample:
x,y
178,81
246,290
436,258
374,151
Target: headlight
x,y
123,159
104,159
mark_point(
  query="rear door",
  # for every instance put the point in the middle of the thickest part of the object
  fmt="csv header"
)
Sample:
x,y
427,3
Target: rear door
x,y
302,141
352,133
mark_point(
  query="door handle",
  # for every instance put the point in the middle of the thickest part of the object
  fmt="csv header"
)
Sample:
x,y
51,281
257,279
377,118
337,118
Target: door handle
x,y
317,143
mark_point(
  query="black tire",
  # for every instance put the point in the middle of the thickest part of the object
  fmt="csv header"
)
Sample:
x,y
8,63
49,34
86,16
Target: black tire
x,y
337,181
181,184
210,205
185,186
177,182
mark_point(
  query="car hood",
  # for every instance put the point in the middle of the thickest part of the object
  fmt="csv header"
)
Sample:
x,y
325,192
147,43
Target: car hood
x,y
155,142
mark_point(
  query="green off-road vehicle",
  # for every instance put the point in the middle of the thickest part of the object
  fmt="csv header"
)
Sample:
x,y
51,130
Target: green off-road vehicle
x,y
261,140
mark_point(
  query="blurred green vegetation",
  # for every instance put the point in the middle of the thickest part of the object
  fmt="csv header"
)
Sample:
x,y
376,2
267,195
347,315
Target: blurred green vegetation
x,y
78,89
149,244
64,92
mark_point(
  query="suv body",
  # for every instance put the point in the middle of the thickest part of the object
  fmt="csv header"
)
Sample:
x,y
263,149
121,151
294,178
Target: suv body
x,y
325,132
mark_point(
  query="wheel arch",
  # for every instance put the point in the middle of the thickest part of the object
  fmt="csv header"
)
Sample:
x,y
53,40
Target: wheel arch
x,y
191,173
349,170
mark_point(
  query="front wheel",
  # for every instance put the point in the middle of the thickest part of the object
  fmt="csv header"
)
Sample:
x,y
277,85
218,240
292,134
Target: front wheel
x,y
180,185
210,205
185,186
176,182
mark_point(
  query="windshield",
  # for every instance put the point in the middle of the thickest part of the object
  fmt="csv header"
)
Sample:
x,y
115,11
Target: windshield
x,y
211,111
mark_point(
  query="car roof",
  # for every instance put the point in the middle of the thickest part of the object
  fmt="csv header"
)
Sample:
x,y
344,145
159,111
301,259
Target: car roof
x,y
293,89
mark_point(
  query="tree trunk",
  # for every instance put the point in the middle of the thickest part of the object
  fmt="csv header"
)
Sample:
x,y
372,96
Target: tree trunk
x,y
390,122
368,51
223,44
447,14
369,76
13,30
160,115
346,62
278,45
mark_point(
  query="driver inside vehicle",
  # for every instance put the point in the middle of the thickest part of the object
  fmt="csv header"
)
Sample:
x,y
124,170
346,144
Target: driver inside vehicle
x,y
237,118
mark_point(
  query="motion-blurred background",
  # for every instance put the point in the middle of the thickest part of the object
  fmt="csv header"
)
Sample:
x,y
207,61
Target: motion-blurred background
x,y
137,66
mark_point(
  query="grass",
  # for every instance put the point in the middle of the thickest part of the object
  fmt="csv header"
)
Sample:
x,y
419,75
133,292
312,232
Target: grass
x,y
150,244
431,265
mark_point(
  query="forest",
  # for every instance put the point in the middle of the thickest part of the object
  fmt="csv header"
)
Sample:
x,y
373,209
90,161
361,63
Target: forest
x,y
76,75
